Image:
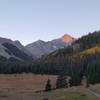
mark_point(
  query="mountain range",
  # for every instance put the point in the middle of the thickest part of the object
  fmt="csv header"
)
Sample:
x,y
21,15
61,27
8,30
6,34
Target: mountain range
x,y
40,48
15,50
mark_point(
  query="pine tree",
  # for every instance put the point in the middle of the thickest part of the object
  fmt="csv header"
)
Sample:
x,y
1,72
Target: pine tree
x,y
48,85
61,82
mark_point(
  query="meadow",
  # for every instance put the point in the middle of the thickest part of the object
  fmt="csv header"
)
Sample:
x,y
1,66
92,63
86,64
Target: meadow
x,y
24,87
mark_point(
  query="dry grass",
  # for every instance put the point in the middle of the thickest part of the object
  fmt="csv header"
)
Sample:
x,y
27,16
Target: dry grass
x,y
22,86
73,93
25,81
95,88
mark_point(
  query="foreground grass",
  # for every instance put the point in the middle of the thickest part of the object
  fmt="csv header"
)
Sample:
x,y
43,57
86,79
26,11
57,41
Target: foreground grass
x,y
95,88
74,93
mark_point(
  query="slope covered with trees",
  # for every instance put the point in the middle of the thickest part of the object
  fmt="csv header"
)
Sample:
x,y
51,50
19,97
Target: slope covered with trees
x,y
82,58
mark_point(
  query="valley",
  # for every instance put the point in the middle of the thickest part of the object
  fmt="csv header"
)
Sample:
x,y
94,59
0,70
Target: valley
x,y
49,49
56,74
24,87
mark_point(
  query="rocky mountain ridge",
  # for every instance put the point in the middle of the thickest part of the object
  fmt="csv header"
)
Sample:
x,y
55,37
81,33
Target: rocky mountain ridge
x,y
14,49
40,47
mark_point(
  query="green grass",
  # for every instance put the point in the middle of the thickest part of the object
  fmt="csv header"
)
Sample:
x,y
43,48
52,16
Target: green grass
x,y
75,93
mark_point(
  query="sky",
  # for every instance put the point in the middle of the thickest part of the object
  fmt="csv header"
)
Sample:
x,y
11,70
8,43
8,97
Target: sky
x,y
31,20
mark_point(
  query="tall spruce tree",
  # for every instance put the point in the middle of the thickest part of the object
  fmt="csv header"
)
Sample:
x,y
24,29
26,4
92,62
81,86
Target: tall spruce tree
x,y
48,85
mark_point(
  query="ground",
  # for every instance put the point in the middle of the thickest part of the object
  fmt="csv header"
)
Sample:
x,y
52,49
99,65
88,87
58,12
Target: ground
x,y
74,93
23,87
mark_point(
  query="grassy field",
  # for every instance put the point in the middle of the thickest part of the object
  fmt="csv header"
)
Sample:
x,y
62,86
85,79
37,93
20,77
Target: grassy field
x,y
22,87
25,81
74,93
95,88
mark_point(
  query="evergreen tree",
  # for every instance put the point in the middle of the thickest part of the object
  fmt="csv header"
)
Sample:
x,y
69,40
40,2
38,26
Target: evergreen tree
x,y
48,85
61,82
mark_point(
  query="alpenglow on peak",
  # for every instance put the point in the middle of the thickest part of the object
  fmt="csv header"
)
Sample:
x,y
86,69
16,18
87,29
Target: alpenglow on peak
x,y
67,38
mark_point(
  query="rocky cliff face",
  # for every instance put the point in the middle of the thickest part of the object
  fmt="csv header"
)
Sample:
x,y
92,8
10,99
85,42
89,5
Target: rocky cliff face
x,y
14,49
40,47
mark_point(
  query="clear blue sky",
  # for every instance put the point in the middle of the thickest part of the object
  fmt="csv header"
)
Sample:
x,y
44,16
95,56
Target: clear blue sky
x,y
30,20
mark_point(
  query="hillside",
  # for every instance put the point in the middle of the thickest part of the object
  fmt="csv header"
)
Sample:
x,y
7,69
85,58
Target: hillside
x,y
14,50
92,51
78,59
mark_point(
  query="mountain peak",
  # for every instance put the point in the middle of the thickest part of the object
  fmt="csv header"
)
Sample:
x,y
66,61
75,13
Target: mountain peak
x,y
67,38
